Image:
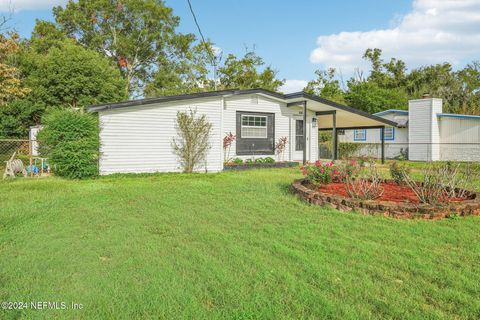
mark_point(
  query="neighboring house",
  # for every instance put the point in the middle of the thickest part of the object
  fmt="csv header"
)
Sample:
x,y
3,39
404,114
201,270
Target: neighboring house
x,y
423,133
136,136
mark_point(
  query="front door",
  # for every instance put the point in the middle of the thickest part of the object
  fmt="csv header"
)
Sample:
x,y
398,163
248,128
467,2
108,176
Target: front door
x,y
299,142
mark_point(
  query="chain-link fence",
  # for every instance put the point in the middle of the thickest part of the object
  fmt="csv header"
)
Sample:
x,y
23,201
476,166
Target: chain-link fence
x,y
406,151
24,150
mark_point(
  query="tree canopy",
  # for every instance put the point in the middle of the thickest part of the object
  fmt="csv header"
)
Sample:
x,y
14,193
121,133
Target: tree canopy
x,y
100,51
243,73
134,34
71,76
390,86
11,86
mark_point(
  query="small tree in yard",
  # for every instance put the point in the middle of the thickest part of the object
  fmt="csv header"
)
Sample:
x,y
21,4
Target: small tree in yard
x,y
192,144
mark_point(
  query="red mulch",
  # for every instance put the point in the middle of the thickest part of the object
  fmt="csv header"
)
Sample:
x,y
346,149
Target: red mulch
x,y
391,192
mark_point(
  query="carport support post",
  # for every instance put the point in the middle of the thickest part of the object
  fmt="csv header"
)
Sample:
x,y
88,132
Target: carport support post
x,y
334,136
305,132
382,137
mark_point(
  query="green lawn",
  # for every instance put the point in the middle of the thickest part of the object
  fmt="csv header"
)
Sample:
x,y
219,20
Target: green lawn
x,y
229,245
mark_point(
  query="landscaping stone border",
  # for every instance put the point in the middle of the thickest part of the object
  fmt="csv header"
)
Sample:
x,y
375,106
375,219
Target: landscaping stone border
x,y
251,166
471,206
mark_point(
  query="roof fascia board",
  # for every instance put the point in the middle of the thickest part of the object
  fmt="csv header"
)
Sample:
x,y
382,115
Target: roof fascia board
x,y
453,115
282,97
381,113
131,103
339,106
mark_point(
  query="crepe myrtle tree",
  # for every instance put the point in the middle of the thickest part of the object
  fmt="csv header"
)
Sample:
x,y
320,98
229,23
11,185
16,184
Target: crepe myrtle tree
x,y
192,143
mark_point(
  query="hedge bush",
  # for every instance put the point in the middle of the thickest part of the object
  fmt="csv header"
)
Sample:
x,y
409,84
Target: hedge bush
x,y
70,140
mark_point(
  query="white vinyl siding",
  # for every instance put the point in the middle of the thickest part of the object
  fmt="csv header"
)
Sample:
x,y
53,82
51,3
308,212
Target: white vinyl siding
x,y
284,125
459,139
139,139
423,129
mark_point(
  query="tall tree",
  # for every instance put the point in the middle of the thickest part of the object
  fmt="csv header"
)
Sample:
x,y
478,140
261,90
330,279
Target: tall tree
x,y
71,76
11,86
188,73
135,34
326,86
369,97
243,73
470,78
46,35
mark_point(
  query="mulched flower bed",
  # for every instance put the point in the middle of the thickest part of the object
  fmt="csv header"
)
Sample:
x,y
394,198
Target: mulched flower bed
x,y
391,192
251,166
397,201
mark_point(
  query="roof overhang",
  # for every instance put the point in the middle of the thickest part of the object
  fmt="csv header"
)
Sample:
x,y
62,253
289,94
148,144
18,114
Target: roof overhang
x,y
397,111
346,117
455,115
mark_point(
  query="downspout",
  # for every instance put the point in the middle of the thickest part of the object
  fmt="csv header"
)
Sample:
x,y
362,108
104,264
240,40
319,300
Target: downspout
x,y
222,152
305,132
382,137
334,135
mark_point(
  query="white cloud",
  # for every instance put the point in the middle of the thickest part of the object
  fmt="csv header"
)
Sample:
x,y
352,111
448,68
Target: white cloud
x,y
293,86
434,31
19,5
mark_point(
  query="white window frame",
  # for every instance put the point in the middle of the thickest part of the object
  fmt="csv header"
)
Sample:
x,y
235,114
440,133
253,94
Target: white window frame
x,y
254,126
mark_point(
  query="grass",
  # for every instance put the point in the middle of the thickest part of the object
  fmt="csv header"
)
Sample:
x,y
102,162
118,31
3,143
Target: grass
x,y
228,245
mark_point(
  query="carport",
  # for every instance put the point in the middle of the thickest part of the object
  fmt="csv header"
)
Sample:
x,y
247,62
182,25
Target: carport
x,y
333,116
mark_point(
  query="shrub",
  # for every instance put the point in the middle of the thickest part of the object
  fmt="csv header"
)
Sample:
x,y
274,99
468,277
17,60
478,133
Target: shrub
x,y
280,147
364,185
70,140
347,150
321,173
430,189
237,161
259,160
227,145
349,169
397,172
269,160
249,161
362,161
441,182
403,154
192,144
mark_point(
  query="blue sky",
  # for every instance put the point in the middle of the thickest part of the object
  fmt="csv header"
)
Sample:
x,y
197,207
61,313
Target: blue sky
x,y
297,37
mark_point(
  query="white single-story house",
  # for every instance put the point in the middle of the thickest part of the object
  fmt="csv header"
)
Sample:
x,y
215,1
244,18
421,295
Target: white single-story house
x,y
136,136
423,133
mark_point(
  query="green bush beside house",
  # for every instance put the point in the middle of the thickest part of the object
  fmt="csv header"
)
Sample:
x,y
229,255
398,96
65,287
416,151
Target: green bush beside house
x,y
70,140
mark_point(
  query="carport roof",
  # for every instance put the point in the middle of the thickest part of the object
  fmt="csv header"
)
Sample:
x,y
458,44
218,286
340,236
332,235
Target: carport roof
x,y
346,116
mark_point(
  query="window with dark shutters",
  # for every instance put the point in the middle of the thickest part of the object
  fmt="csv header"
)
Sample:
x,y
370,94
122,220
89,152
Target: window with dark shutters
x,y
255,133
